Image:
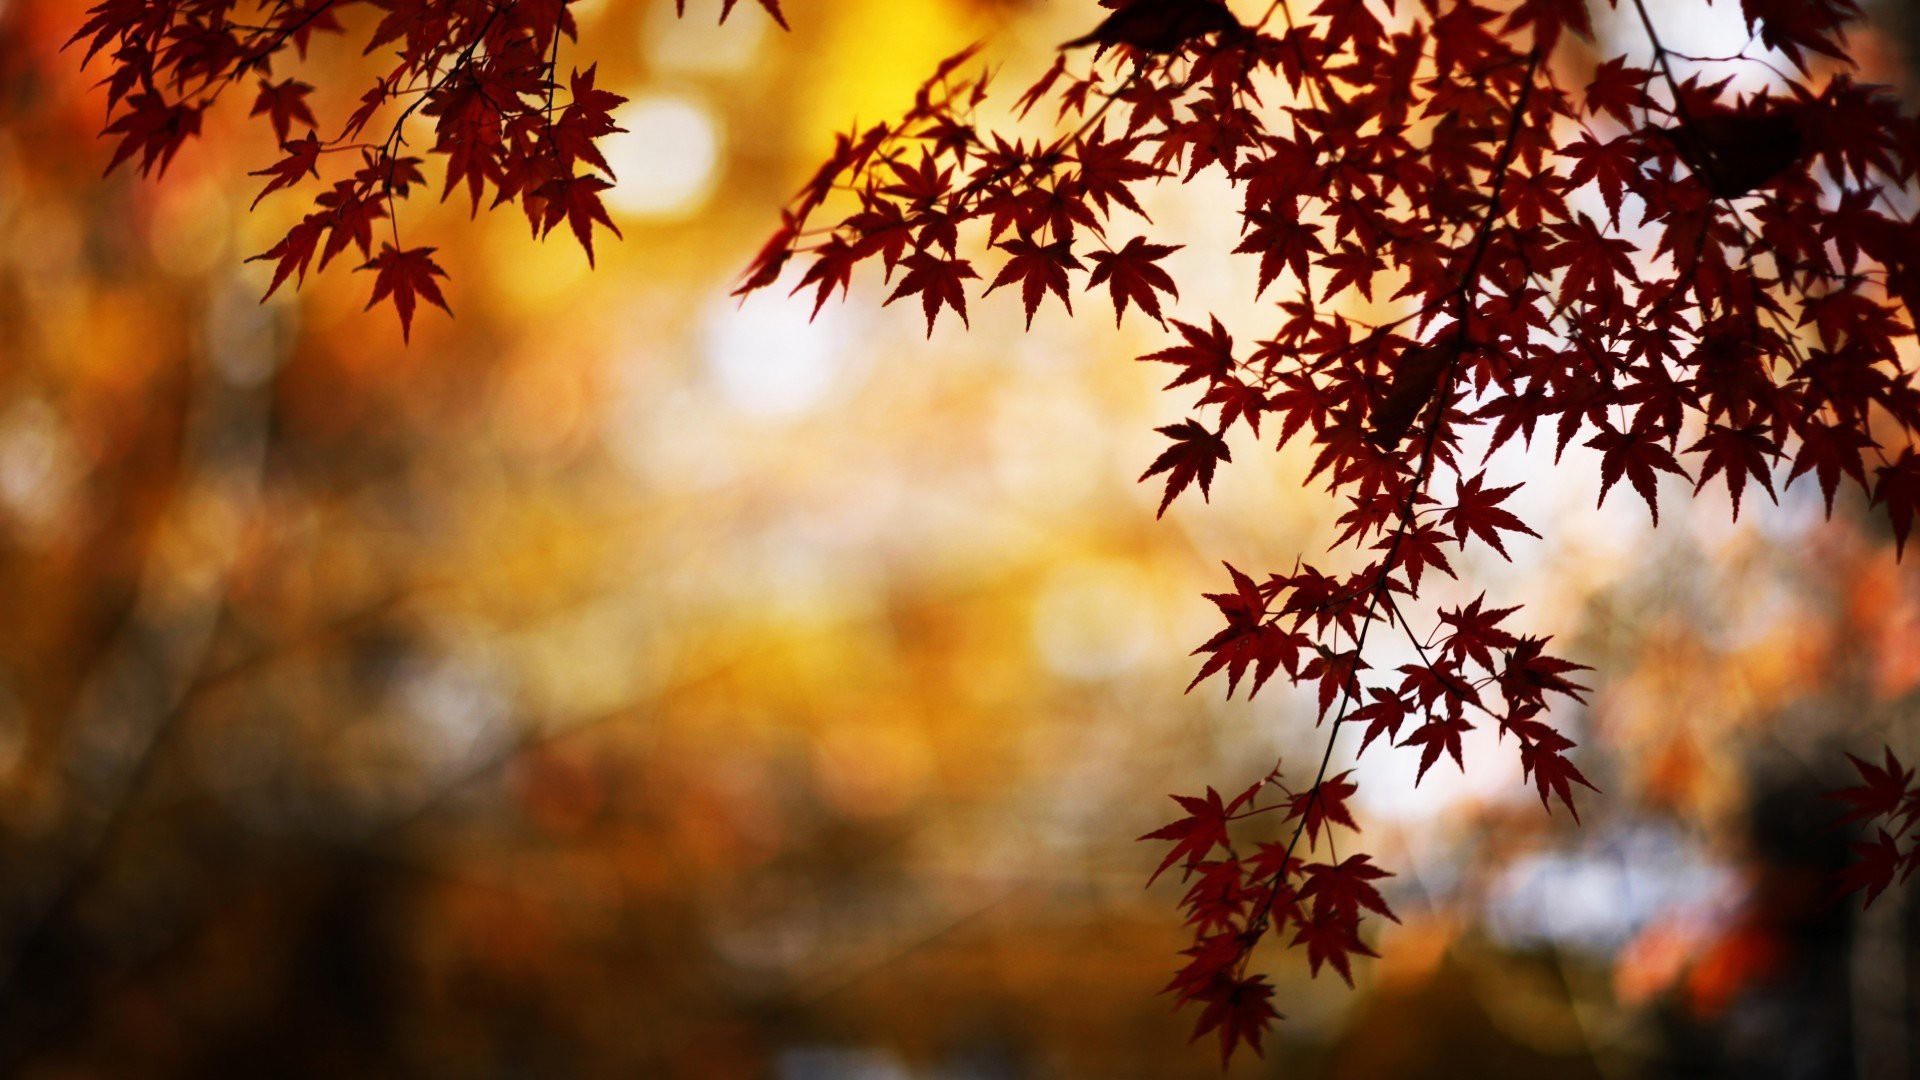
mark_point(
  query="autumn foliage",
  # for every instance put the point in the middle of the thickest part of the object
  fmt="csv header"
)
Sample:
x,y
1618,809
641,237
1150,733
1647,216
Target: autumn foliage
x,y
1888,801
473,86
1687,280
1463,218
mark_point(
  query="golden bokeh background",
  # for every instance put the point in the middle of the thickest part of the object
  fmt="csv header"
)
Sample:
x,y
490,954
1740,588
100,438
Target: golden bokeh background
x,y
624,680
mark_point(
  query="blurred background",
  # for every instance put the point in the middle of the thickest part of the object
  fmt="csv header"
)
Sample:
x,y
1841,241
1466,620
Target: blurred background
x,y
626,681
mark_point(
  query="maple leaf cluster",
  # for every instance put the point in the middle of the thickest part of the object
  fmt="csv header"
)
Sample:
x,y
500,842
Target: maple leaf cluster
x,y
1887,799
482,77
1677,277
1233,898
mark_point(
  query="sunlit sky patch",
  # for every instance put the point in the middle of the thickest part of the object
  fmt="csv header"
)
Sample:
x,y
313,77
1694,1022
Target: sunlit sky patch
x,y
770,356
666,161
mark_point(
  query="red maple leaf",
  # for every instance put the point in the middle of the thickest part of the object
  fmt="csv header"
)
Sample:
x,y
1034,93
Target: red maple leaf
x,y
302,160
1613,165
937,282
1639,457
1330,940
1193,456
406,277
1530,674
1476,511
588,117
1476,632
1874,864
155,129
1545,760
295,251
1384,715
1345,889
1897,487
1828,453
1619,91
1882,792
1549,17
1207,355
1740,453
1039,268
283,104
1131,274
1197,834
1441,732
1241,1010
1248,640
575,200
1337,674
1322,803
1211,956
1282,240
832,267
772,8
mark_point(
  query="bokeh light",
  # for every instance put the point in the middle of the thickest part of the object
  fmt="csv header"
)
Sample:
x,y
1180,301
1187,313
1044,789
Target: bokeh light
x,y
665,162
